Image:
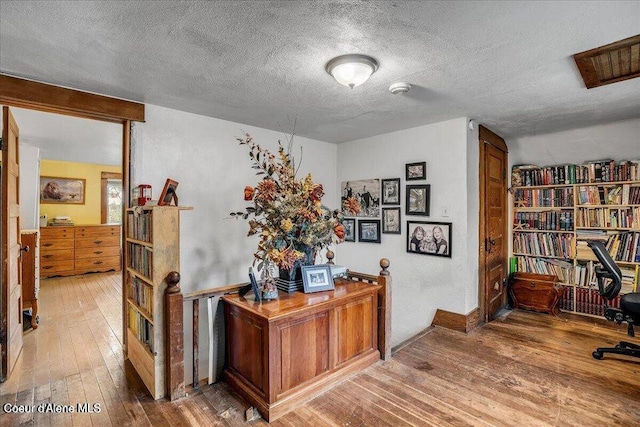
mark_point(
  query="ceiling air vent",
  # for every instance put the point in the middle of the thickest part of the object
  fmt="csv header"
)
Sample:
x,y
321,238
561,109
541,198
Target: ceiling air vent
x,y
612,63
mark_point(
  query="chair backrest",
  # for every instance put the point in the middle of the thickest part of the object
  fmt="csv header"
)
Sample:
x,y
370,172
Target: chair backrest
x,y
610,271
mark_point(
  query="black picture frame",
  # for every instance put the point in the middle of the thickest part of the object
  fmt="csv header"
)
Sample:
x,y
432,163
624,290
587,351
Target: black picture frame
x,y
349,225
391,221
168,194
416,171
429,244
317,278
417,199
391,191
369,230
254,285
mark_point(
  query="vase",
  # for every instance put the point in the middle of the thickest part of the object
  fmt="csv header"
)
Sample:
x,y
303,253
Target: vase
x,y
295,274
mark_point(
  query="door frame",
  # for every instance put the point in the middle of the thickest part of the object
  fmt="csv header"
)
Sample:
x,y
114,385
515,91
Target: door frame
x,y
488,137
29,94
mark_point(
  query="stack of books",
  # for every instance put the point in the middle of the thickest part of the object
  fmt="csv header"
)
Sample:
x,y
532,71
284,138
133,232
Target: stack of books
x,y
61,221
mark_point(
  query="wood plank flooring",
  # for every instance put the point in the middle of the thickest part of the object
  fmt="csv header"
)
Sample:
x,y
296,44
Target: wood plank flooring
x,y
524,369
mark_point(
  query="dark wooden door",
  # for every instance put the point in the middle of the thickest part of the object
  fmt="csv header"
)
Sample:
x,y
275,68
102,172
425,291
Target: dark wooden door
x,y
493,224
11,288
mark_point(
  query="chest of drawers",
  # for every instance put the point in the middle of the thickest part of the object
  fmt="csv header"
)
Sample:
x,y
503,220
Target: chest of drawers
x,y
66,251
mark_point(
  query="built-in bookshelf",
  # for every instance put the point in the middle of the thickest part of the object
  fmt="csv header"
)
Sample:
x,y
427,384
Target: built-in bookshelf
x,y
152,252
558,209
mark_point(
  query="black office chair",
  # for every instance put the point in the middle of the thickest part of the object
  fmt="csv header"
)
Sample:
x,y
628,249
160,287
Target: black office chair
x,y
629,310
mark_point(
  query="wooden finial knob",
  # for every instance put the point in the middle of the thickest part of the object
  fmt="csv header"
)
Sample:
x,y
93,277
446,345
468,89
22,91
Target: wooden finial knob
x,y
172,280
384,264
330,256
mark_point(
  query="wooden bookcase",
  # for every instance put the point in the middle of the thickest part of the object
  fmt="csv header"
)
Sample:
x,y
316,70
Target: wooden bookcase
x,y
553,221
152,251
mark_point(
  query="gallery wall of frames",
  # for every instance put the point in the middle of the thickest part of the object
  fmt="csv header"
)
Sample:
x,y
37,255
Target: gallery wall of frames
x,y
381,201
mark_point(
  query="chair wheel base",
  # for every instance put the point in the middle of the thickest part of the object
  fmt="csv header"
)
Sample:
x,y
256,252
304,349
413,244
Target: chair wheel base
x,y
597,355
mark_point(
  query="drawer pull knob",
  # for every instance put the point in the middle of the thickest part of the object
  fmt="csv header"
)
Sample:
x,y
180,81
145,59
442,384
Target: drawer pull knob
x,y
47,256
97,252
47,244
97,242
98,262
533,285
47,267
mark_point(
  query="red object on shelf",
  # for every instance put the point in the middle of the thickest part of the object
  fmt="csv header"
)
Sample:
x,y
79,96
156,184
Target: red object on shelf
x,y
144,191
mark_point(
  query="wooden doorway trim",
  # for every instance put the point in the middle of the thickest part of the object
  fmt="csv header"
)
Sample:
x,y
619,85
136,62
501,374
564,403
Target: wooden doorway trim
x,y
486,137
21,93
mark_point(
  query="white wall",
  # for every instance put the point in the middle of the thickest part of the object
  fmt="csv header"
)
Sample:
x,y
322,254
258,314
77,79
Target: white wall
x,y
421,284
29,187
617,141
202,154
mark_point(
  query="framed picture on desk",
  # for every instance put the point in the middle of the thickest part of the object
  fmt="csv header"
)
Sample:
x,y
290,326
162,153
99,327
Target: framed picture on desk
x,y
317,278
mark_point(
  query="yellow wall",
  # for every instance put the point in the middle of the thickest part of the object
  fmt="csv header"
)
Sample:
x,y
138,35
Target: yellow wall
x,y
89,213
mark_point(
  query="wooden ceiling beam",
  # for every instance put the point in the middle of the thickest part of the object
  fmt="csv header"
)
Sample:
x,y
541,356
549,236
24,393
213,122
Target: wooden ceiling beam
x,y
17,92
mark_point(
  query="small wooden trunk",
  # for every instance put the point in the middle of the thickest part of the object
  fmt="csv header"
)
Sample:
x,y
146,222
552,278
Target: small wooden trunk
x,y
538,292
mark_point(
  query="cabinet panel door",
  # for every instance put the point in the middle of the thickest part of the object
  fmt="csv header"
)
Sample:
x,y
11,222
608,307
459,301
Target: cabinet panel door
x,y
304,349
246,351
356,328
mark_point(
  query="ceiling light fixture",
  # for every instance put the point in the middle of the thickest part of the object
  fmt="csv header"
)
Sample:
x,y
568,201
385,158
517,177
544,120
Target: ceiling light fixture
x,y
352,70
399,87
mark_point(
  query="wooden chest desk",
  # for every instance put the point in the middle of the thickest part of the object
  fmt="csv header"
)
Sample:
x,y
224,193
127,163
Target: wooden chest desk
x,y
284,352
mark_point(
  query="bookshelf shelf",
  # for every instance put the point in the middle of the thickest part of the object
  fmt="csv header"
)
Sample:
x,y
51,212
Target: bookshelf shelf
x,y
152,252
607,210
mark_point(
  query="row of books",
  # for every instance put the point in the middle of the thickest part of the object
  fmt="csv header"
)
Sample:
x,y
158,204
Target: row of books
x,y
141,328
544,197
624,194
139,226
562,269
609,217
591,171
585,300
547,220
141,293
141,259
585,275
624,246
543,244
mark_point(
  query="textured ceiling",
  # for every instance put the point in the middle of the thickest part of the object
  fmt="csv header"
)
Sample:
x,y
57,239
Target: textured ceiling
x,y
506,64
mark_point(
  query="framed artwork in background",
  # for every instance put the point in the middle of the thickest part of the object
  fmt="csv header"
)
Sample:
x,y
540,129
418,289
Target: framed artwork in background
x,y
391,220
366,192
391,191
168,193
349,229
369,230
62,190
415,171
429,238
418,199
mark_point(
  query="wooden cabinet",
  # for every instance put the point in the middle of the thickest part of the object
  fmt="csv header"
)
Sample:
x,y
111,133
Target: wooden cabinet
x,y
67,251
286,351
30,279
152,252
537,292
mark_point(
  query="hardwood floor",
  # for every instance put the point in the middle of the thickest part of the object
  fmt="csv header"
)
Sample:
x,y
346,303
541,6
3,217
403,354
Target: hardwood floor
x,y
525,369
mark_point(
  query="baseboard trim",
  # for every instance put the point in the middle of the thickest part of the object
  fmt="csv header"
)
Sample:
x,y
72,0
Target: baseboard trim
x,y
408,341
457,322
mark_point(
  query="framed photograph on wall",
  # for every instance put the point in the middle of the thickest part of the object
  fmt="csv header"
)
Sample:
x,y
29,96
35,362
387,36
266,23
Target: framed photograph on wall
x,y
391,220
317,278
366,192
415,171
349,229
418,199
369,230
391,191
429,238
62,190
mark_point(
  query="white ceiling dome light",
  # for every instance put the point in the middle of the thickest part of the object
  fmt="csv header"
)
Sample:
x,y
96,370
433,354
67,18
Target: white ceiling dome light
x,y
352,70
399,87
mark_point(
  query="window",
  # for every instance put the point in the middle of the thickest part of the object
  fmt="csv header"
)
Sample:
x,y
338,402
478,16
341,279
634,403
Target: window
x,y
111,198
